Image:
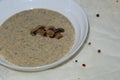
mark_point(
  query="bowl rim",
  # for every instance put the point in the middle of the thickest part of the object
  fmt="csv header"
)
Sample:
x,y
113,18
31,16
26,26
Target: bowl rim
x,y
56,63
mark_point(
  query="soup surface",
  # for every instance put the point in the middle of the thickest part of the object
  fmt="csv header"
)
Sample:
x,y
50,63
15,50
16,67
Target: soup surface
x,y
19,47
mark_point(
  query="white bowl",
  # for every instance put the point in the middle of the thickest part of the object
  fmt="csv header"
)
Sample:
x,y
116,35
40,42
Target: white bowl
x,y
68,8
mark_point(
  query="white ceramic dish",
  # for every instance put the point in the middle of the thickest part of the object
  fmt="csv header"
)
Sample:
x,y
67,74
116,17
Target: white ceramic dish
x,y
67,7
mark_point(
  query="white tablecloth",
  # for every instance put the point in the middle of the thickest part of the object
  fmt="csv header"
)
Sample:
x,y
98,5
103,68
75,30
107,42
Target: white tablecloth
x,y
104,34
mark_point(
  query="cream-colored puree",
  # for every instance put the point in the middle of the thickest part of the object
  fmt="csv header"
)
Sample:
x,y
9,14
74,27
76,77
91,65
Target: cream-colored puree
x,y
19,47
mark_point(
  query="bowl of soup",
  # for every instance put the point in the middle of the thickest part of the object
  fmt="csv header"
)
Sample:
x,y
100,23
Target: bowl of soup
x,y
40,34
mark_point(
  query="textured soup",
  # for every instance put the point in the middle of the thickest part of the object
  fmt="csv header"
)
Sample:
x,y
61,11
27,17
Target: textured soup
x,y
19,47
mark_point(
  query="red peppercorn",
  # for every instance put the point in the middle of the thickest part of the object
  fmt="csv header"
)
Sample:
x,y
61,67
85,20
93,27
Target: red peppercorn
x,y
84,65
